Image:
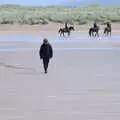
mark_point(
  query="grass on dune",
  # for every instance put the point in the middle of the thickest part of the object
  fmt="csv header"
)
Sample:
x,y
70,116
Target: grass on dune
x,y
16,14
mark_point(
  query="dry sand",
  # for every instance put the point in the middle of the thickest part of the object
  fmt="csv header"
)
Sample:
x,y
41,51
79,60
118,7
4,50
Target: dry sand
x,y
51,28
80,84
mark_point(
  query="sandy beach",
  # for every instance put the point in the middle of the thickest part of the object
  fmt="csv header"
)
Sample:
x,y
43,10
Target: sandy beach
x,y
82,82
51,27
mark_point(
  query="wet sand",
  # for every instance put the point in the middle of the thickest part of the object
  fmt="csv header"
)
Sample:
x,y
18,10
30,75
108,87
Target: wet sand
x,y
82,82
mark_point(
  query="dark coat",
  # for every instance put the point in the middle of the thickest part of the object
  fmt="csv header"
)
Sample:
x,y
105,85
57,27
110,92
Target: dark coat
x,y
46,51
95,25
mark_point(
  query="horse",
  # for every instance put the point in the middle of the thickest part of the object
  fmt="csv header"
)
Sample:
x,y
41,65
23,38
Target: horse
x,y
94,31
66,30
107,30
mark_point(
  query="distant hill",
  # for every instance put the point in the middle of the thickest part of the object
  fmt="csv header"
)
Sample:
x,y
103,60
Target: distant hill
x,y
88,2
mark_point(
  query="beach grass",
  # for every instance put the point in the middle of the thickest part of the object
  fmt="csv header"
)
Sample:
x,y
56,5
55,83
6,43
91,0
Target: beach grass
x,y
31,15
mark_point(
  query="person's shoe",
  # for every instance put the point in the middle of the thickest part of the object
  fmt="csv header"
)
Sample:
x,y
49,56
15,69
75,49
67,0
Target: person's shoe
x,y
45,72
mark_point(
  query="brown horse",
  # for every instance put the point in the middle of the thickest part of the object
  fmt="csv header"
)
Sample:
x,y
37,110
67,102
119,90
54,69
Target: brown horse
x,y
67,30
107,30
94,31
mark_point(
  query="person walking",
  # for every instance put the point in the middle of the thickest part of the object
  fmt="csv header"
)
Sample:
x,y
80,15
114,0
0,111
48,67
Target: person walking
x,y
46,52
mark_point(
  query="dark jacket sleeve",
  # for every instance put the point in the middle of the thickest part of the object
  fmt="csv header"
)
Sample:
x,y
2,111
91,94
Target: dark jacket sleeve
x,y
41,51
51,51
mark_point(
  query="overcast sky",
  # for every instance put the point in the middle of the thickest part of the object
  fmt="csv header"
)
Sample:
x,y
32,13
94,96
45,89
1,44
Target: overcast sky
x,y
32,2
54,2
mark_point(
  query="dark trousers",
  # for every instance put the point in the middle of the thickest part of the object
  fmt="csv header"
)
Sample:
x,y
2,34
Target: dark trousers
x,y
45,63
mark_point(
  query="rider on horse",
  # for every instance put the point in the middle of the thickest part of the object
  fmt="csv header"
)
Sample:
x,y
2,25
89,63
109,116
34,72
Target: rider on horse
x,y
108,25
66,27
95,25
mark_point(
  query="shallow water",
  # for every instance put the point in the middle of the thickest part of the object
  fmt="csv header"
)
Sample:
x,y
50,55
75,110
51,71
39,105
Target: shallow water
x,y
53,38
58,49
12,39
18,37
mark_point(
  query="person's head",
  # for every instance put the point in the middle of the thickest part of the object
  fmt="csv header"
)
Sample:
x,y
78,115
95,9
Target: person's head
x,y
45,41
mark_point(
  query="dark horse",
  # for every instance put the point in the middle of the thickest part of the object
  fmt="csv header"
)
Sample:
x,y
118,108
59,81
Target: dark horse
x,y
94,31
108,29
66,30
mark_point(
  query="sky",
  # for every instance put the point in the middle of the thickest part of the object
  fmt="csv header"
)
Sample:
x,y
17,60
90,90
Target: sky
x,y
32,2
54,2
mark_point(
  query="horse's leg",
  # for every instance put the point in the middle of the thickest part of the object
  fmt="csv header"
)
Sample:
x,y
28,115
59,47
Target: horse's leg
x,y
60,33
107,33
90,33
63,34
110,33
68,33
97,33
104,33
93,34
